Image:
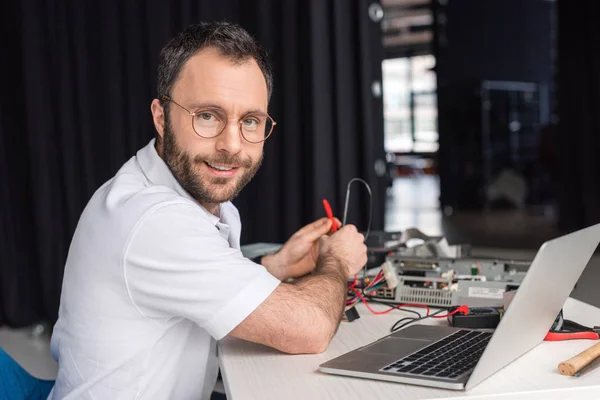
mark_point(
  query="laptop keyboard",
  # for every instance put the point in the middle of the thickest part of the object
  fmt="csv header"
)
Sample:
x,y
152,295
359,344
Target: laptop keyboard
x,y
449,357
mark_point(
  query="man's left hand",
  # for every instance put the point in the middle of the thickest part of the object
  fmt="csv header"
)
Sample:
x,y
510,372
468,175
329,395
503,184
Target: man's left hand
x,y
298,256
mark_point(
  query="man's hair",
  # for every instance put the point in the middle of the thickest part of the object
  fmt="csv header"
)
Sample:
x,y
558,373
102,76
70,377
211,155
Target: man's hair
x,y
231,40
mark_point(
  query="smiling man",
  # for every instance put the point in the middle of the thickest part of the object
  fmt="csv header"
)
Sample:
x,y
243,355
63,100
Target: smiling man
x,y
155,276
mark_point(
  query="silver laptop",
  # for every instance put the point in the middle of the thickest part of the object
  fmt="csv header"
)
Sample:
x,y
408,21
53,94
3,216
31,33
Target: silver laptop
x,y
459,359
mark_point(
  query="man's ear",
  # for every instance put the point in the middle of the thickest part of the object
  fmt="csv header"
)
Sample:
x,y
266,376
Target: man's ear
x,y
158,117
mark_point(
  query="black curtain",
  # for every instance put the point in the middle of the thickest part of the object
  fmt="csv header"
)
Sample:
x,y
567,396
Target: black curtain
x,y
78,82
578,138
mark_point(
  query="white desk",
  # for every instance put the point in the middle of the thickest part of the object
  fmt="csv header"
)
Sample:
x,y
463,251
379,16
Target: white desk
x,y
252,371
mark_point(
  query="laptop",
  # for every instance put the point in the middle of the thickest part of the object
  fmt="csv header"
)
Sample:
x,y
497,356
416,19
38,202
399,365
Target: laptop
x,y
458,359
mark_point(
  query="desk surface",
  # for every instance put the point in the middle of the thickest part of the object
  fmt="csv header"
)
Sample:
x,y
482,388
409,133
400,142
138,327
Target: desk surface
x,y
252,371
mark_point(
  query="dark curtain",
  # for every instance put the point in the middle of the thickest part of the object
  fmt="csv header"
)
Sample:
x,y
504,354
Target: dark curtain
x,y
578,137
78,82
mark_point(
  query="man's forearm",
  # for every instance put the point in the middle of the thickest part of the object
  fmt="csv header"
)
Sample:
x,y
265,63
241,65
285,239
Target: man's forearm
x,y
302,316
326,289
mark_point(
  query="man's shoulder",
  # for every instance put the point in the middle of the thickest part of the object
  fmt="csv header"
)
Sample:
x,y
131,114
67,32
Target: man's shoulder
x,y
128,198
129,193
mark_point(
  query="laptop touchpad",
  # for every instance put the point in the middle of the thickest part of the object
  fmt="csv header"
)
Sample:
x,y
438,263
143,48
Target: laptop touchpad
x,y
396,346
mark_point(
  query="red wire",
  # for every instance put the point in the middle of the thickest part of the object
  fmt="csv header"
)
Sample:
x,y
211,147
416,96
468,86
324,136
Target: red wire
x,y
391,309
353,282
462,309
353,285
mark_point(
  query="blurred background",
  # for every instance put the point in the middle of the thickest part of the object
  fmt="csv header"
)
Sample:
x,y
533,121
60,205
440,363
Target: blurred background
x,y
476,120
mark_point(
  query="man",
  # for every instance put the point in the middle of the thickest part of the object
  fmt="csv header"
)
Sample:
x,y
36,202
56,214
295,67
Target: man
x,y
154,275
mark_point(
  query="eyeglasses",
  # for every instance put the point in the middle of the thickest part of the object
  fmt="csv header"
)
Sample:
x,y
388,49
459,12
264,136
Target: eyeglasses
x,y
209,122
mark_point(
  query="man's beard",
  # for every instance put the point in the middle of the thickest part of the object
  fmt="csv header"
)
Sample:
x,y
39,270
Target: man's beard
x,y
207,189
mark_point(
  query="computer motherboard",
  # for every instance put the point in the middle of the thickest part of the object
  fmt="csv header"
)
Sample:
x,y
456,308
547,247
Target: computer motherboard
x,y
449,281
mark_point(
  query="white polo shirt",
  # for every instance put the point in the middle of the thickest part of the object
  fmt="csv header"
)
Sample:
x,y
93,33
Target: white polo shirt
x,y
152,280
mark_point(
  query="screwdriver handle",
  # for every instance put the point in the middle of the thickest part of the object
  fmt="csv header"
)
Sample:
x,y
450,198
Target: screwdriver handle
x,y
580,361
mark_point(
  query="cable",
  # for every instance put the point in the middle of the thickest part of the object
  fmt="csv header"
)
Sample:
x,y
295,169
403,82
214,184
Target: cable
x,y
348,199
411,320
460,309
391,309
373,283
370,213
372,300
371,288
376,282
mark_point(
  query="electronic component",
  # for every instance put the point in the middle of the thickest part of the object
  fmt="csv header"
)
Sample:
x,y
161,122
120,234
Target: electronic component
x,y
493,269
434,273
443,291
477,318
389,272
352,314
481,293
380,244
446,282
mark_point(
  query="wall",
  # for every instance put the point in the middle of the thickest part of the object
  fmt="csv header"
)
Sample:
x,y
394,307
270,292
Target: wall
x,y
477,40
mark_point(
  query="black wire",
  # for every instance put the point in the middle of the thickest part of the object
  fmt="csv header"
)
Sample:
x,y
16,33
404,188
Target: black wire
x,y
370,213
348,199
395,327
395,306
411,319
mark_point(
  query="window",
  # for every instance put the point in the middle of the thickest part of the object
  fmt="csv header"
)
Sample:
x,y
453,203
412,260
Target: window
x,y
410,105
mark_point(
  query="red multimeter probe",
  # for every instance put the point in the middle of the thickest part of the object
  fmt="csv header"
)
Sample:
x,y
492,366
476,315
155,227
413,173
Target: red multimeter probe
x,y
330,215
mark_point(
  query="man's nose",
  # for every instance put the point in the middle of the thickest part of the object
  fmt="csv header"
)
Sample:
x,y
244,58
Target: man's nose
x,y
230,140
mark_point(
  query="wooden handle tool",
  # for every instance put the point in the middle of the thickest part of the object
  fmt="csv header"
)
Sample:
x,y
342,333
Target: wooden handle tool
x,y
580,361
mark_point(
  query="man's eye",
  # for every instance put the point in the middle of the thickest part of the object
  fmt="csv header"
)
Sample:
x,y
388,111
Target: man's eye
x,y
206,116
251,122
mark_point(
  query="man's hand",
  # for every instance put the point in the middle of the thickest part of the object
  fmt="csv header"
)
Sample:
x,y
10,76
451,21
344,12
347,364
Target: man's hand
x,y
298,256
345,247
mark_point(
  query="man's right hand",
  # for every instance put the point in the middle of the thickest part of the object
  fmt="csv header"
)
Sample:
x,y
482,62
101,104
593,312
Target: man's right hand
x,y
345,247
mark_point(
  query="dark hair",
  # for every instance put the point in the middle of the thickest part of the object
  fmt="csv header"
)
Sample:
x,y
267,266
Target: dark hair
x,y
231,40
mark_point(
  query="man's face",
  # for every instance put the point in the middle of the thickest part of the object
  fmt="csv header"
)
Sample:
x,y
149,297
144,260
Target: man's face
x,y
213,170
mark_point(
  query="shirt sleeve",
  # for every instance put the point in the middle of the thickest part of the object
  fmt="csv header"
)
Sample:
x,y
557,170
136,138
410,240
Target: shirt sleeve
x,y
178,265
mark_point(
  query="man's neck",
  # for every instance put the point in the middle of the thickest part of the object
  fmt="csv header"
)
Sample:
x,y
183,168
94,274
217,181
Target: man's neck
x,y
211,208
158,149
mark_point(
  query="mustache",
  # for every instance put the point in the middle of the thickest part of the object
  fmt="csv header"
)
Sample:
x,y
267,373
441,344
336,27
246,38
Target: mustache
x,y
235,161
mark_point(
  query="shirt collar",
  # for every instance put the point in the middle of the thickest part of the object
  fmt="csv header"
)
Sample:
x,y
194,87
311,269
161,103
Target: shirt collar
x,y
157,172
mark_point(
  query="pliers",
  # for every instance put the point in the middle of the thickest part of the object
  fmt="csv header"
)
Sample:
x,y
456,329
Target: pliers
x,y
554,336
564,329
